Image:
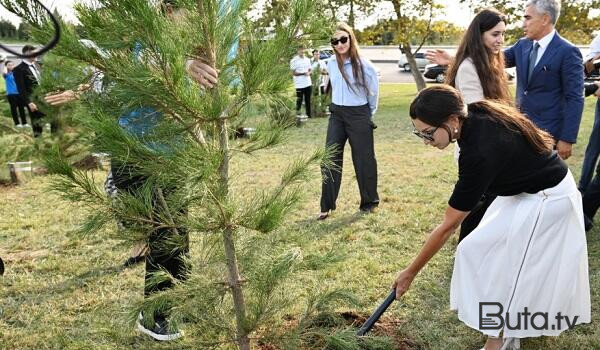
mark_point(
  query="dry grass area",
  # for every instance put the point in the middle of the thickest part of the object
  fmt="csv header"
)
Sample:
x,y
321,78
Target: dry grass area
x,y
64,292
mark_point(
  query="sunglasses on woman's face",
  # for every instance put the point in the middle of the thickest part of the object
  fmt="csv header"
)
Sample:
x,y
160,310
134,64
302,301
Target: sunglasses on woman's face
x,y
336,41
425,135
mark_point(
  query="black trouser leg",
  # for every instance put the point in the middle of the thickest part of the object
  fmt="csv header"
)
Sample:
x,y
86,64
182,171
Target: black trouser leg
x,y
36,122
299,96
307,93
167,252
14,107
360,133
474,218
332,178
591,196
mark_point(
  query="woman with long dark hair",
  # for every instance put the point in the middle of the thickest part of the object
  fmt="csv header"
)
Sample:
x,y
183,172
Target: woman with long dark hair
x,y
478,74
354,94
529,253
478,69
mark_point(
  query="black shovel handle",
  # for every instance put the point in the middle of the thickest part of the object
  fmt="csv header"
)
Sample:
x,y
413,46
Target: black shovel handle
x,y
377,314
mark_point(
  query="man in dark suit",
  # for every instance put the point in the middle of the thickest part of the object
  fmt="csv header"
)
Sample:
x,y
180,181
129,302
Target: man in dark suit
x,y
549,75
27,77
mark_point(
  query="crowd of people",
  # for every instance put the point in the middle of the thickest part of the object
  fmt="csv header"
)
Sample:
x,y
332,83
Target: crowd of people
x,y
521,215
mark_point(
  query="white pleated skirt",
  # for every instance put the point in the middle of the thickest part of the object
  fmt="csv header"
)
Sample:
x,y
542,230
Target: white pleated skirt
x,y
528,255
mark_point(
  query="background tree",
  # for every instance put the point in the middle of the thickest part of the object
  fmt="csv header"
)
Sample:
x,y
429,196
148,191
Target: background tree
x,y
408,17
384,33
578,20
7,30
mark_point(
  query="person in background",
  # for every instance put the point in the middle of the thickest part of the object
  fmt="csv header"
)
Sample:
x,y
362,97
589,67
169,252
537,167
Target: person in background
x,y
592,151
549,74
301,70
17,110
354,97
478,74
319,80
27,77
125,179
529,253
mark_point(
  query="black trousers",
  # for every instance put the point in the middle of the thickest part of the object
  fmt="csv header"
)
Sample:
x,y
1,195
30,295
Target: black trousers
x,y
591,196
303,94
472,220
16,106
354,124
162,255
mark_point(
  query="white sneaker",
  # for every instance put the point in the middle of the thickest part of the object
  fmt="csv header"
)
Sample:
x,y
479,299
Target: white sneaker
x,y
161,330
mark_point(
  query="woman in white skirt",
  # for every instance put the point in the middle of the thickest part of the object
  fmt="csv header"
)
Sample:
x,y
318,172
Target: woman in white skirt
x,y
523,272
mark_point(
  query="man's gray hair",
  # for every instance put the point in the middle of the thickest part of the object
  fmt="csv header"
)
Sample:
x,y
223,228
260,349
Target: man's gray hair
x,y
549,7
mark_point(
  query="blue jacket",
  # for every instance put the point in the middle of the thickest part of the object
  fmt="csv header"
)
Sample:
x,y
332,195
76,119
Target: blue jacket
x,y
553,99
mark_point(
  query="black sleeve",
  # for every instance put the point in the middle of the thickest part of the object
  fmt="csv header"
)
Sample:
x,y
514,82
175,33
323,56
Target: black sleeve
x,y
475,175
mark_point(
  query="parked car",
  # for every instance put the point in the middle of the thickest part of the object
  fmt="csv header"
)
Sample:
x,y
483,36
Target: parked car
x,y
438,73
435,72
419,57
325,52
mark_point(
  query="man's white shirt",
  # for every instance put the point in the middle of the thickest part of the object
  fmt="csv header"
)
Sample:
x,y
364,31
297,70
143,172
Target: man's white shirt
x,y
301,65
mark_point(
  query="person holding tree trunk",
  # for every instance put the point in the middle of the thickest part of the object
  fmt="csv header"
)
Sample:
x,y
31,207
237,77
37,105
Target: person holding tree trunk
x,y
168,246
355,92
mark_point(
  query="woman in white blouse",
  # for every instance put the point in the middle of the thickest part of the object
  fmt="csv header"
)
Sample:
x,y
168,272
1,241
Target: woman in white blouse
x,y
478,74
478,69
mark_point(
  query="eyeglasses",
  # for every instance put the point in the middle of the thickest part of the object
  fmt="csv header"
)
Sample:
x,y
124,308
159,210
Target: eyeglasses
x,y
335,42
425,135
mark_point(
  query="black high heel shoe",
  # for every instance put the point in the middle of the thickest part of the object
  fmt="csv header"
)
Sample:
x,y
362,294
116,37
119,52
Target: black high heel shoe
x,y
322,216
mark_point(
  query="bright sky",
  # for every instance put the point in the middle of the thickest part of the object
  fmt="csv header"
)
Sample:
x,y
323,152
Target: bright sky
x,y
65,8
457,13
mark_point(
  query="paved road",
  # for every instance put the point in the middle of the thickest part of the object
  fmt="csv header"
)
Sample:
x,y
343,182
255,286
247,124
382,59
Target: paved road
x,y
390,73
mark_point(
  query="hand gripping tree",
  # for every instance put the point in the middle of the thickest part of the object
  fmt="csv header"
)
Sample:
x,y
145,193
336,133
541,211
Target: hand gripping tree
x,y
185,159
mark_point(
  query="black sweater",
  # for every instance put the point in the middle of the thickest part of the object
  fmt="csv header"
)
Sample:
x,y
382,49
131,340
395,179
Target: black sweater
x,y
500,161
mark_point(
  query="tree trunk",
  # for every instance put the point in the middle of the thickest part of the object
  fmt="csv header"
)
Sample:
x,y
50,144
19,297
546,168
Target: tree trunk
x,y
351,16
229,244
414,69
208,53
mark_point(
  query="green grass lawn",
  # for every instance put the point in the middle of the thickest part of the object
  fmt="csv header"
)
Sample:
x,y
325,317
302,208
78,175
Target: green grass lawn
x,y
63,292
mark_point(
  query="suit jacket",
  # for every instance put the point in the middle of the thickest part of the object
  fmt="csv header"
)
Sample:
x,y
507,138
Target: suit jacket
x,y
552,98
26,82
468,83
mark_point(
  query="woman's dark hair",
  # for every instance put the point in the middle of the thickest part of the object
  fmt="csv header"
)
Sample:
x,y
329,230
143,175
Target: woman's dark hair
x,y
490,66
436,104
357,68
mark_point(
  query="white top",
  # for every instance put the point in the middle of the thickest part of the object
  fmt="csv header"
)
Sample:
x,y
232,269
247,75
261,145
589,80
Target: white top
x,y
594,49
301,65
344,95
468,83
544,42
